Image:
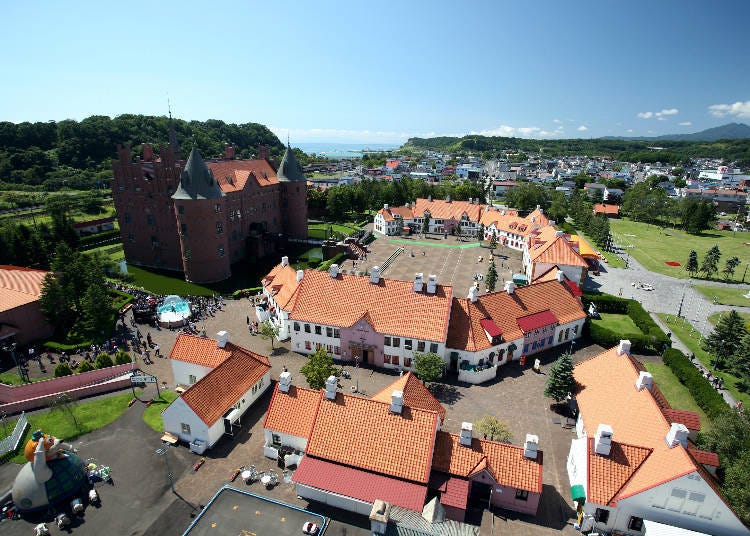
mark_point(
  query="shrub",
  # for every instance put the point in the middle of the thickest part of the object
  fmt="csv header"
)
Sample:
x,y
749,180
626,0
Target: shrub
x,y
707,398
245,292
85,367
103,361
336,259
122,358
63,369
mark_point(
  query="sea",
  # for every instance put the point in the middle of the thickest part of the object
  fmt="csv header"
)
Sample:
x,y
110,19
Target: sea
x,y
344,150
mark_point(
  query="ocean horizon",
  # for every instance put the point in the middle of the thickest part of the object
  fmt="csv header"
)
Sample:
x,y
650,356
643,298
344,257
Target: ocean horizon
x,y
343,150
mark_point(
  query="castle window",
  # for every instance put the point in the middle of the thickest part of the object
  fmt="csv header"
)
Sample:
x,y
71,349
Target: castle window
x,y
219,227
183,228
127,217
220,251
180,209
150,219
318,330
131,237
217,208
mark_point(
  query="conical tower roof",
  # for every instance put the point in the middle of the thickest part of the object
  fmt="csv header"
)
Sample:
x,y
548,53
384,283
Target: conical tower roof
x,y
196,180
290,170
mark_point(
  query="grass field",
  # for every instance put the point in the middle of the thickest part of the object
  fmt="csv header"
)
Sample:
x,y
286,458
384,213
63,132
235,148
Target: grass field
x,y
654,246
690,338
152,414
318,230
622,324
714,318
725,295
676,394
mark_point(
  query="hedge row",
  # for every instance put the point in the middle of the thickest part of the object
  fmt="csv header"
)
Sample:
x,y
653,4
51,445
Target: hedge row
x,y
704,395
245,292
336,259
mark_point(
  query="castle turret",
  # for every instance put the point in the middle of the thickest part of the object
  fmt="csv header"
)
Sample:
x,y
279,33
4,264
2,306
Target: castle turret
x,y
293,196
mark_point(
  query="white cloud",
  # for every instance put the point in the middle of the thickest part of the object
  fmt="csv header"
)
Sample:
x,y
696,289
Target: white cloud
x,y
556,121
661,116
519,132
670,111
582,128
630,130
645,115
738,109
686,123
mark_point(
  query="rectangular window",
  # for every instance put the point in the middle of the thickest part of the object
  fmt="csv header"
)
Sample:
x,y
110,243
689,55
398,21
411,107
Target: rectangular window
x,y
420,346
219,227
131,237
394,360
337,350
149,219
396,342
407,362
575,330
192,379
220,251
183,228
276,439
296,326
407,344
567,333
185,428
336,333
386,359
433,347
676,500
217,208
549,341
127,217
635,523
308,346
329,332
559,337
386,341
307,328
318,330
601,515
329,348
522,495
180,210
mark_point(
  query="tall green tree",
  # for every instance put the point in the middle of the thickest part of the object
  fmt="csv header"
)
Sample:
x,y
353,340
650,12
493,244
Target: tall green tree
x,y
426,224
692,263
527,196
731,265
558,209
490,280
428,366
318,368
724,340
710,263
492,428
741,361
459,229
268,331
560,381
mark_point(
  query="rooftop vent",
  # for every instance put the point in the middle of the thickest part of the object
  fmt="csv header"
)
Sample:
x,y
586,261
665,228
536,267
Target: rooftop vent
x,y
623,347
552,223
385,206
467,431
221,339
559,233
375,275
531,446
645,381
285,381
284,261
431,284
447,199
510,287
418,282
300,275
677,435
560,276
473,293
333,271
397,401
603,439
331,386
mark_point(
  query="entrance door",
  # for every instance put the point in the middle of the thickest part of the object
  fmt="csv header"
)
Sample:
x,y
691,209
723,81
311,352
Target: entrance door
x,y
454,362
367,356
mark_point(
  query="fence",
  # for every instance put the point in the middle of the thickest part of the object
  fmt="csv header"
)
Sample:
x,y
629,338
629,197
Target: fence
x,y
10,443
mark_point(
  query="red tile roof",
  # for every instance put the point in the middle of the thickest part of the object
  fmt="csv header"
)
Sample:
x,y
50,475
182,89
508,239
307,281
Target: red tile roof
x,y
467,333
575,290
294,412
19,286
690,419
199,350
536,320
440,209
704,457
363,433
283,283
343,300
453,491
608,474
490,327
233,175
416,395
359,484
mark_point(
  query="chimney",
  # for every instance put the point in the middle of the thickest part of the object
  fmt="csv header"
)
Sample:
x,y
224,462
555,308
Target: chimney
x,y
560,276
221,339
334,271
466,434
645,381
473,293
552,223
285,381
471,201
229,151
375,275
284,261
385,206
300,275
397,401
447,199
502,212
418,282
510,287
380,515
148,152
559,233
429,198
677,435
540,209
531,446
603,439
331,386
431,284
533,219
624,347
264,152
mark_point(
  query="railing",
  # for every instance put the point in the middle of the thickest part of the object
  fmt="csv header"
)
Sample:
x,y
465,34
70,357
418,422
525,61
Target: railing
x,y
10,443
390,259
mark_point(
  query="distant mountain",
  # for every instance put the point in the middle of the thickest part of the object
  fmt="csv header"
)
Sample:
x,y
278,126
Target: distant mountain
x,y
730,131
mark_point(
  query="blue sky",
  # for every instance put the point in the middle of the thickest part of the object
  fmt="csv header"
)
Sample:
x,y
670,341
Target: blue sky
x,y
383,71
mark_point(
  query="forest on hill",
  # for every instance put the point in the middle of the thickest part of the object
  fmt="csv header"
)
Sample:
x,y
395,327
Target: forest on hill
x,y
672,152
78,154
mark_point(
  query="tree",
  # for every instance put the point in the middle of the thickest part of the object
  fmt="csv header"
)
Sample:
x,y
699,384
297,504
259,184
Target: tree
x,y
527,196
741,360
711,261
490,280
63,369
493,242
268,331
103,361
458,230
480,232
724,340
428,366
692,263
490,427
736,486
558,210
121,358
318,368
560,381
65,404
426,223
84,367
729,268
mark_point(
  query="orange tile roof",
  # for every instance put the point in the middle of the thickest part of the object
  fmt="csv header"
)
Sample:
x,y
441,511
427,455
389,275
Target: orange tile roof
x,y
690,419
199,350
19,286
556,251
511,222
607,384
442,210
283,283
506,463
363,433
233,175
704,457
343,300
608,474
294,412
390,213
416,395
466,332
602,208
211,396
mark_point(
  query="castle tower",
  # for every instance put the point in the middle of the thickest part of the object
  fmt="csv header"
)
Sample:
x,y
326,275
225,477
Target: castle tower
x,y
200,209
293,196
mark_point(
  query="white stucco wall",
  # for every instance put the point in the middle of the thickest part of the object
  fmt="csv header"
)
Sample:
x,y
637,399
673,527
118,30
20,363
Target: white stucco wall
x,y
296,442
334,499
179,412
181,371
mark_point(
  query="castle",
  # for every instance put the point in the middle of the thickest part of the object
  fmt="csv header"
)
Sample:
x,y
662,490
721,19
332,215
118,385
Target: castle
x,y
199,217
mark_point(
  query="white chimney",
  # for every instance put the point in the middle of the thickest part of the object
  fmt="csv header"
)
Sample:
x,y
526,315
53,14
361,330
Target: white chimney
x,y
221,339
533,219
284,261
473,293
385,206
397,401
560,276
552,223
531,446
418,282
603,439
559,233
375,275
285,381
300,275
467,431
502,212
624,347
540,209
447,199
431,284
331,386
677,435
645,381
334,271
510,287
429,198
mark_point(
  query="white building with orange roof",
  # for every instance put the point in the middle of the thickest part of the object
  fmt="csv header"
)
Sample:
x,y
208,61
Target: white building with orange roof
x,y
279,287
490,330
223,380
443,216
510,229
391,221
632,465
551,247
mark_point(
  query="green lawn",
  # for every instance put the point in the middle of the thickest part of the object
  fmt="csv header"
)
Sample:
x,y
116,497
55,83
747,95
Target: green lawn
x,y
689,337
714,318
654,246
676,394
725,295
11,377
319,230
152,414
613,260
622,324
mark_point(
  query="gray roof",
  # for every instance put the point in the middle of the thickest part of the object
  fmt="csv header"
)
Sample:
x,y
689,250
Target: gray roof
x,y
290,170
196,180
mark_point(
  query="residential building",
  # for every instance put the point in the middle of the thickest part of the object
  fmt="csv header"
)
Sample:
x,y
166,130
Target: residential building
x,y
21,318
610,211
443,217
84,228
511,230
550,247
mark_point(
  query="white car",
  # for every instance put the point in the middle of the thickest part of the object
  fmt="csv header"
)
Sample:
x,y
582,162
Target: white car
x,y
310,528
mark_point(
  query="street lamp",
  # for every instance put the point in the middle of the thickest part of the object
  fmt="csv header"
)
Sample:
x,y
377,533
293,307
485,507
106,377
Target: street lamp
x,y
22,371
572,346
356,374
164,452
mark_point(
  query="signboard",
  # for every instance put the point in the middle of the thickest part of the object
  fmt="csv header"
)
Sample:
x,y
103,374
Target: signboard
x,y
143,379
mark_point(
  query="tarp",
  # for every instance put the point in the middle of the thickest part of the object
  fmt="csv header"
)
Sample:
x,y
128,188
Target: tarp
x,y
578,493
